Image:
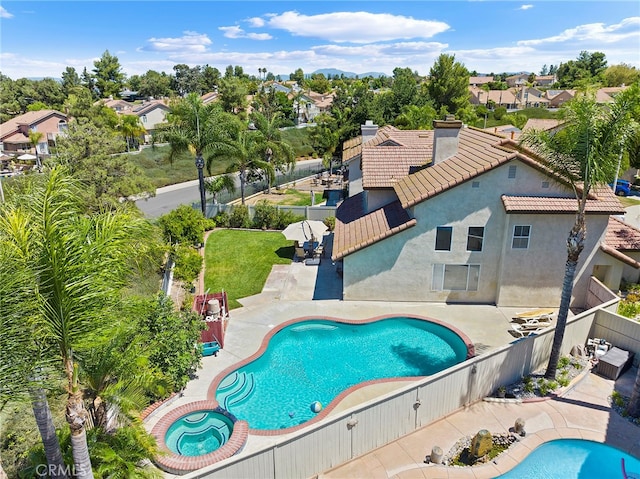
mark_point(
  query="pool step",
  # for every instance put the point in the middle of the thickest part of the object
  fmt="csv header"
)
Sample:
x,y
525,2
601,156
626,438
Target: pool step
x,y
313,327
236,390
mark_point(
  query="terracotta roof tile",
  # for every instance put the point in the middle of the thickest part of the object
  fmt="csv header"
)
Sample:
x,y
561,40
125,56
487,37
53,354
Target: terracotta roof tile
x,y
622,236
355,229
604,202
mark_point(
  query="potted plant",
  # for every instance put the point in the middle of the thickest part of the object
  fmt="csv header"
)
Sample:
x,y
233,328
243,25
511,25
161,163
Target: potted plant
x,y
502,391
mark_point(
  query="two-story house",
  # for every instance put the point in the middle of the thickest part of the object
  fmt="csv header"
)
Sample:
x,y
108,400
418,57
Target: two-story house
x,y
462,215
14,133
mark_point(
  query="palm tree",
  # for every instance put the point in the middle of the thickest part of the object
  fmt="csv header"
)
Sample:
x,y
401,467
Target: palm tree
x,y
76,265
274,149
204,130
585,152
245,152
34,139
131,129
217,184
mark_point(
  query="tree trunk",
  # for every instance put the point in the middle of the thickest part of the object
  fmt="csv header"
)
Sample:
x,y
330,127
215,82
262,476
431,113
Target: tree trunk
x,y
76,417
634,403
52,451
242,182
575,245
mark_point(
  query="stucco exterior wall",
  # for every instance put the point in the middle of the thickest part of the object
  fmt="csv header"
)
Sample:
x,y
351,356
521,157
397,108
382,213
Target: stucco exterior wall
x,y
400,268
355,177
378,198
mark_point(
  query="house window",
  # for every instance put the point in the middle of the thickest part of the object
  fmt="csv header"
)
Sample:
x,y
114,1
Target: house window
x,y
521,237
455,277
144,118
512,171
443,238
475,184
475,238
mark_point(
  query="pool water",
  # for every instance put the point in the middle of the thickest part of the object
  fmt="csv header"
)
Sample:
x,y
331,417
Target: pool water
x,y
316,360
574,459
199,433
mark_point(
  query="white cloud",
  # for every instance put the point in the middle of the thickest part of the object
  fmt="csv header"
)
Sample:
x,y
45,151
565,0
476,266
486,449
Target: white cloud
x,y
356,27
594,34
236,32
525,7
190,42
4,13
256,22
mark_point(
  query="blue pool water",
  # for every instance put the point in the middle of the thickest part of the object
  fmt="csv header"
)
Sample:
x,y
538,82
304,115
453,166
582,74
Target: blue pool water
x,y
199,433
316,360
574,459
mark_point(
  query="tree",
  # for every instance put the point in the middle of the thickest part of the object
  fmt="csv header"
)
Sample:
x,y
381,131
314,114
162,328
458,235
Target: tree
x,y
585,152
34,139
131,129
297,76
233,95
216,184
108,75
77,264
404,89
622,74
183,225
275,150
416,117
187,80
154,84
448,85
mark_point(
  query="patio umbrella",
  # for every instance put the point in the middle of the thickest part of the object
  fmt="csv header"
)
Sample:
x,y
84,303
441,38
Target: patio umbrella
x,y
304,230
27,157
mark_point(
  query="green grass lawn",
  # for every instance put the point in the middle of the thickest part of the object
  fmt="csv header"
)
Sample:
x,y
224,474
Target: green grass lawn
x,y
629,200
239,261
293,197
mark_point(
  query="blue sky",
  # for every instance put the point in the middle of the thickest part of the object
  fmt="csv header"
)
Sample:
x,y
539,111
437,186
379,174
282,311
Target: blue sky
x,y
40,39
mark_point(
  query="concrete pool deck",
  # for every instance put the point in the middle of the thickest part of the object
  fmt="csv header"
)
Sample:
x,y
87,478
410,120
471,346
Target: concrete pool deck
x,y
297,290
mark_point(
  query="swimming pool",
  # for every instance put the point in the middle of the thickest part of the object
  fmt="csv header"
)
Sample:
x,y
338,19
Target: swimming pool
x,y
199,432
573,459
316,360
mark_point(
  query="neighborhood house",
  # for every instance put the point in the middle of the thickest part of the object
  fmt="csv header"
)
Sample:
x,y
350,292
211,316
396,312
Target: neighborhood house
x,y
461,215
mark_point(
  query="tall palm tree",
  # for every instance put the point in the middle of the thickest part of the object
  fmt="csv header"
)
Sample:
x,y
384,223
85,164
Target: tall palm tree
x,y
216,184
77,265
245,152
202,129
585,151
274,149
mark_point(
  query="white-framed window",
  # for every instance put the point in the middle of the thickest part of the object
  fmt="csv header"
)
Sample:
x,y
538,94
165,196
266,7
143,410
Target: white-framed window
x,y
521,235
455,277
512,171
443,238
475,238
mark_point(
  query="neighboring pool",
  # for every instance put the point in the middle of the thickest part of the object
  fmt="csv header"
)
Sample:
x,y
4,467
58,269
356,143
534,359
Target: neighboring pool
x,y
318,359
573,459
199,433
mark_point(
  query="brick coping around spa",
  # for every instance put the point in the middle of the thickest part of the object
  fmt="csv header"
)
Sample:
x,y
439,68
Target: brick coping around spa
x,y
325,412
177,464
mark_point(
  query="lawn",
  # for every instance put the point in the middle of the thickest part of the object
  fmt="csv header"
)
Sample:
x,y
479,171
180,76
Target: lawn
x,y
239,261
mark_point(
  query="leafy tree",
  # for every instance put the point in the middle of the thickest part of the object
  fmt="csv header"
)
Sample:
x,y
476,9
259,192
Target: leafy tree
x,y
210,78
184,225
297,76
622,74
79,102
586,69
585,152
416,117
187,80
50,92
516,119
154,84
174,335
318,83
34,139
108,75
76,264
404,89
89,82
188,264
448,84
233,95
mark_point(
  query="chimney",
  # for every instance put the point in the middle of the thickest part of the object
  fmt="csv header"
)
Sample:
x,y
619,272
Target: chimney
x,y
369,130
445,138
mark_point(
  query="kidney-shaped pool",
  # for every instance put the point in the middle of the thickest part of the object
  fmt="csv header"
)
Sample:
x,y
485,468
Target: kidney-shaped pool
x,y
307,364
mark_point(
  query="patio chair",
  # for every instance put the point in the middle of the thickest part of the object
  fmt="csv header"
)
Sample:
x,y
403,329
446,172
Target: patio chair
x,y
527,329
301,254
536,314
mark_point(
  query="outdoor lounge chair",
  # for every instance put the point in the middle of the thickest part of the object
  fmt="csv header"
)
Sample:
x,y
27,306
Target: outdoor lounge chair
x,y
526,329
542,314
301,254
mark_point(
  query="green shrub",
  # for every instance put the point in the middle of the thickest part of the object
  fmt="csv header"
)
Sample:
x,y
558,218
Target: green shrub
x,y
529,387
183,225
617,399
628,309
563,362
239,217
188,264
285,218
553,385
209,224
222,219
564,381
265,216
544,388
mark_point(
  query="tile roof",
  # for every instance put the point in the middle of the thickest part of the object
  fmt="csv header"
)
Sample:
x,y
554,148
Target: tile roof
x,y
604,203
29,118
392,154
366,229
478,151
622,236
